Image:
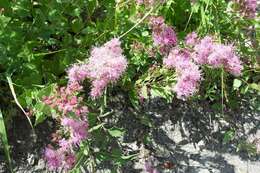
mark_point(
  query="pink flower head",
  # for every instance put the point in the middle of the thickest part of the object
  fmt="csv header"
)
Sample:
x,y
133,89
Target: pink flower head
x,y
114,46
163,35
77,73
234,66
189,74
248,7
177,58
156,21
224,56
78,129
202,50
97,87
73,87
187,81
166,37
54,158
191,39
106,65
64,144
70,161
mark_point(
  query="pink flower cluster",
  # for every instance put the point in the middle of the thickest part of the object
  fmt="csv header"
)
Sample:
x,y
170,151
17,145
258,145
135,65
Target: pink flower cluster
x,y
164,36
216,55
188,72
149,167
203,51
73,118
65,100
106,64
248,7
58,159
191,39
78,72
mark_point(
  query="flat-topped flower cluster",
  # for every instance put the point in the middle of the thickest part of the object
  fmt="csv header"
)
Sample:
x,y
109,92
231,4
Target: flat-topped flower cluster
x,y
196,52
105,65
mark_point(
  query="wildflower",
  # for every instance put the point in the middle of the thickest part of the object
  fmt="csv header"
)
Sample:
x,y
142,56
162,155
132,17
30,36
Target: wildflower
x,y
77,73
188,73
64,144
66,101
54,158
164,36
77,129
188,81
248,7
202,50
191,39
70,160
224,56
106,65
149,167
176,58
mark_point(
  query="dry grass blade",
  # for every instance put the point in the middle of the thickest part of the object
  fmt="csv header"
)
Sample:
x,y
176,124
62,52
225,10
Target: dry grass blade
x,y
4,140
16,100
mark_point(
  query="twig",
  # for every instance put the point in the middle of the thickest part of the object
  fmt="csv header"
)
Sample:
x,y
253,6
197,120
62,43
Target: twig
x,y
140,21
17,102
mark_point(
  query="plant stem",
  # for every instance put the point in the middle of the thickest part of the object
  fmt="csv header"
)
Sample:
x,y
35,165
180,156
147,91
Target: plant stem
x,y
140,21
222,91
48,53
18,104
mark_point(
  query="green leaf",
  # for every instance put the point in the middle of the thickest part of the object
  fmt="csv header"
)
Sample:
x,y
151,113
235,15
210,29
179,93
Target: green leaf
x,y
237,83
77,25
129,157
255,86
96,127
134,98
228,136
116,132
41,112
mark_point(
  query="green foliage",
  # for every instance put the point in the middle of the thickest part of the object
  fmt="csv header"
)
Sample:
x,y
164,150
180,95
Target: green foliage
x,y
39,40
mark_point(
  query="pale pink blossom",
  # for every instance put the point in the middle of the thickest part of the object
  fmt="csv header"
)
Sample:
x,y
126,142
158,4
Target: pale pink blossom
x,y
191,39
202,50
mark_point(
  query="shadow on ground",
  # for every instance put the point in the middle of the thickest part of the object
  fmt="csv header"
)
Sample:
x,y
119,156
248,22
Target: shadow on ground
x,y
190,136
182,137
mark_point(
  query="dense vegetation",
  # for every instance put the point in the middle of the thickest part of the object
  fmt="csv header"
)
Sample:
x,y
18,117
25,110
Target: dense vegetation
x,y
67,59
